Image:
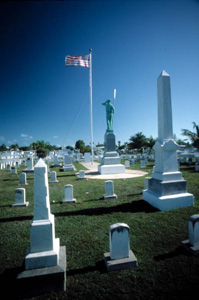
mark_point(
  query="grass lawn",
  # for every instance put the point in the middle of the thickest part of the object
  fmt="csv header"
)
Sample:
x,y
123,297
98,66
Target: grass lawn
x,y
165,270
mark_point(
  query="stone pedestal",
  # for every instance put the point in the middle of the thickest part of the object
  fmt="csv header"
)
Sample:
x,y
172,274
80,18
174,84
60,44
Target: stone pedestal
x,y
166,189
111,160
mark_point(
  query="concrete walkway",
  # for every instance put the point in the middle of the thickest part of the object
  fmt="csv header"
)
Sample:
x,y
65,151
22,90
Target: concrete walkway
x,y
92,172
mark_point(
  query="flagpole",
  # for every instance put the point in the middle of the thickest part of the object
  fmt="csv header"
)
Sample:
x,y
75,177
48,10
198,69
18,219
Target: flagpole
x,y
91,105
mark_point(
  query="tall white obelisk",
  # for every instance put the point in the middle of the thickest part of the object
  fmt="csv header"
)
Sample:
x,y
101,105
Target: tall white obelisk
x,y
166,189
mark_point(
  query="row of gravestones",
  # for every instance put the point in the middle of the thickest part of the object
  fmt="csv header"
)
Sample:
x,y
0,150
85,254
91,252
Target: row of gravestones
x,y
20,193
120,255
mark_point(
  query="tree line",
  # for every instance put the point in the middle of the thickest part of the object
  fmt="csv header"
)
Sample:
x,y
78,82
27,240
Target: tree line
x,y
137,141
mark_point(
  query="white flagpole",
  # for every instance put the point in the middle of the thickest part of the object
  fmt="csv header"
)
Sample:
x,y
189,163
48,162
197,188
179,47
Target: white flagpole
x,y
91,105
114,97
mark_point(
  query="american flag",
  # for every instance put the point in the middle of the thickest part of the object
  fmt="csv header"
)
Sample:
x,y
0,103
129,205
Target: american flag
x,y
77,61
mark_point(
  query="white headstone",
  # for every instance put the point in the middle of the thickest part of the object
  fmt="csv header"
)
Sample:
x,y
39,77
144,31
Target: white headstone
x,y
29,163
87,157
119,241
20,198
127,164
53,177
109,190
44,247
14,170
68,194
22,178
8,167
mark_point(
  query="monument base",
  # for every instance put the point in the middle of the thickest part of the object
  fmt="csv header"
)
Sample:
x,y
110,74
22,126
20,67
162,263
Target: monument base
x,y
168,202
120,264
68,168
55,181
193,249
69,201
20,204
110,196
111,169
43,259
35,282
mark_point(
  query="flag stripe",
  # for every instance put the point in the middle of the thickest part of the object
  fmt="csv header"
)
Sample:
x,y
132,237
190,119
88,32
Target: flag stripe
x,y
77,61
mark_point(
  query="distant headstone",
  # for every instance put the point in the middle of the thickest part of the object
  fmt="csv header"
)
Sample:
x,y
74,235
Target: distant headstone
x,y
142,163
20,198
127,164
22,178
68,166
81,175
197,167
8,167
87,157
14,170
120,255
109,190
68,194
53,177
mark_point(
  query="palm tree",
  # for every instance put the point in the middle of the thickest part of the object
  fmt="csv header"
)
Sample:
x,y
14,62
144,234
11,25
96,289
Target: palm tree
x,y
193,136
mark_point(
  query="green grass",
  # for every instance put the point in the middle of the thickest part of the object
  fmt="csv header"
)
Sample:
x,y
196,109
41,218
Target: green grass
x,y
165,270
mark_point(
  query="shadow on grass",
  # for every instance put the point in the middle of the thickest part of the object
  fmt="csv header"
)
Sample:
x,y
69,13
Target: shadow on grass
x,y
133,207
179,251
10,276
22,218
99,266
66,175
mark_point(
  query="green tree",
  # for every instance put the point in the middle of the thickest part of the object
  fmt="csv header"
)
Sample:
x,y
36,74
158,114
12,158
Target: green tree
x,y
193,136
80,145
150,142
138,141
14,147
3,147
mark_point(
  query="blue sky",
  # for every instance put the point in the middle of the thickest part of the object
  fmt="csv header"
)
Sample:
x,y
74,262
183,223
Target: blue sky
x,y
132,42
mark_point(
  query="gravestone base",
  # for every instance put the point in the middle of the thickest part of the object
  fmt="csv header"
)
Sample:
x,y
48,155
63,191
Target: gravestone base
x,y
69,201
168,202
54,181
68,168
120,264
20,204
110,196
111,169
193,249
35,282
23,184
82,178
